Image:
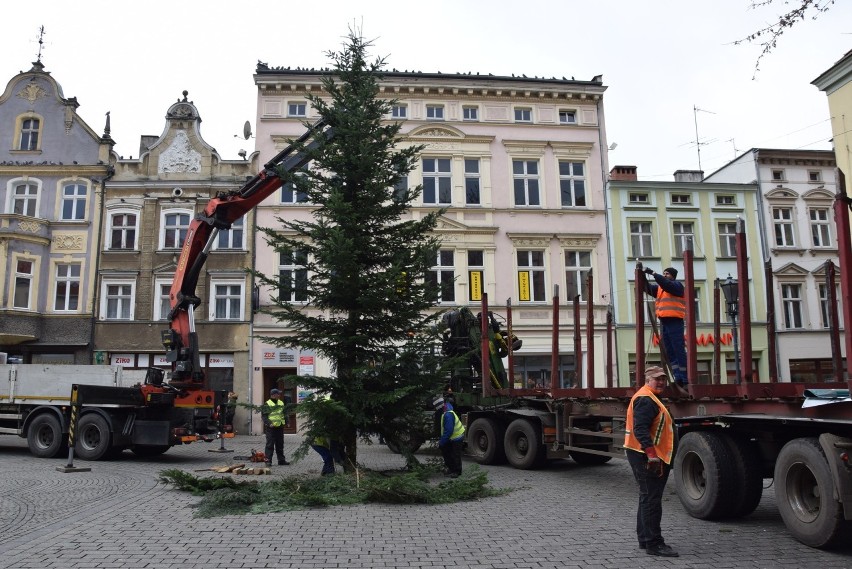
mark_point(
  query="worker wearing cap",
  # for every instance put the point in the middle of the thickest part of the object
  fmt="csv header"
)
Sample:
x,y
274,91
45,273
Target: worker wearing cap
x,y
671,311
649,446
274,420
452,438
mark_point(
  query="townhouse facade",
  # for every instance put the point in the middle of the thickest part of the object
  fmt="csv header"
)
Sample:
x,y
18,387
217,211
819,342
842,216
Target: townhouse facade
x,y
799,235
148,205
651,223
520,165
52,171
836,82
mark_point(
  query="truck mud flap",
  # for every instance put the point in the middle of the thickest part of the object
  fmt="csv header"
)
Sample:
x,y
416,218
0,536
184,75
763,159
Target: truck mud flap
x,y
156,433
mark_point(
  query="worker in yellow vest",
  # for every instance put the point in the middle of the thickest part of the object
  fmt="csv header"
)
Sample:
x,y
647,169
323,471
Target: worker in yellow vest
x,y
649,445
452,438
274,420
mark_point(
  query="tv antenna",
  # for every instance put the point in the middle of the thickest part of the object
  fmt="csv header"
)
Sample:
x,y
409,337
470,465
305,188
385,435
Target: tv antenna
x,y
697,142
40,42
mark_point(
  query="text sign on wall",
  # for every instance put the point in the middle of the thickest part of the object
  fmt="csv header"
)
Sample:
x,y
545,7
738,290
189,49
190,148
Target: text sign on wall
x,y
524,285
476,285
306,365
220,360
123,360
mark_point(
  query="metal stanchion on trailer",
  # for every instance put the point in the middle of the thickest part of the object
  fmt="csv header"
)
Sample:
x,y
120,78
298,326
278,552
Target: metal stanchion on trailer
x,y
72,432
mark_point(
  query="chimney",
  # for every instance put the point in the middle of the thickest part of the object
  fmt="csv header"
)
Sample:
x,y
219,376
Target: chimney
x,y
623,174
689,175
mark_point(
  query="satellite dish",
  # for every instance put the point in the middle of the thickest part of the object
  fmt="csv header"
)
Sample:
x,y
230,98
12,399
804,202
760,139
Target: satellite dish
x,y
247,130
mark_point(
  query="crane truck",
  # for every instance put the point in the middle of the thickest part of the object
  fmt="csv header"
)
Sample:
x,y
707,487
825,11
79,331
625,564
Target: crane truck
x,y
732,436
42,403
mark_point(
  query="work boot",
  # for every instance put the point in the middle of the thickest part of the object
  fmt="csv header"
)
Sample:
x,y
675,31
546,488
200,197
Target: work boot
x,y
662,550
283,462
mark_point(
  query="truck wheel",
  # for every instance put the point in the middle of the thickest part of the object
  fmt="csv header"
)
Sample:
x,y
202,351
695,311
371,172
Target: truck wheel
x,y
589,459
485,442
748,470
44,436
804,490
522,444
149,450
704,476
93,437
404,441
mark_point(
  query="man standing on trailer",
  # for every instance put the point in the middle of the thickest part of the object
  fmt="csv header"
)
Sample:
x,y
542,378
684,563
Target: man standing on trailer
x,y
649,446
671,310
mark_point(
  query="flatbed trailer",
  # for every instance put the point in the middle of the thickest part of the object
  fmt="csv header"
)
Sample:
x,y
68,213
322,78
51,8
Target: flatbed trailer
x,y
731,437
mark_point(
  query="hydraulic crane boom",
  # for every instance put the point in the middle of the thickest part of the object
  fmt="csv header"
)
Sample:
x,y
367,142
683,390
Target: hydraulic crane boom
x,y
181,340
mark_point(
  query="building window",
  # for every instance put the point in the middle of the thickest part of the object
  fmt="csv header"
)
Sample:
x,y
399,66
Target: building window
x,y
525,178
437,181
231,238
470,113
572,184
533,372
726,199
67,296
791,298
727,239
820,227
640,239
227,301
399,111
824,306
400,190
531,276
683,233
23,284
296,109
523,114
442,275
777,175
293,276
471,181
814,176
638,199
578,265
117,300
25,199
435,112
29,134
567,117
681,199
783,220
476,274
175,226
162,304
122,230
290,195
74,198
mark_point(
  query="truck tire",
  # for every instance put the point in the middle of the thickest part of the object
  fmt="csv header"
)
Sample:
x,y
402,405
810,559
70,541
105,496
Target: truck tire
x,y
485,441
93,437
44,436
405,441
748,470
804,490
149,450
522,443
704,476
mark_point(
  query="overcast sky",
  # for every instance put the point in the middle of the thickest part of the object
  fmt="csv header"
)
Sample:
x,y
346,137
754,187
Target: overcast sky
x,y
659,60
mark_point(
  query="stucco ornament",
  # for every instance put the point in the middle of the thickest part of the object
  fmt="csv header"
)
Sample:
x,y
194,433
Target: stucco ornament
x,y
180,156
32,92
66,242
29,226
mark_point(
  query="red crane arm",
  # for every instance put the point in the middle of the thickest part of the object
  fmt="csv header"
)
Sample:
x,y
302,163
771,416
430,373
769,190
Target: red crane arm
x,y
180,340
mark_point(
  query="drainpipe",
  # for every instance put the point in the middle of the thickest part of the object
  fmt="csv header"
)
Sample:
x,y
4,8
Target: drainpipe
x,y
96,284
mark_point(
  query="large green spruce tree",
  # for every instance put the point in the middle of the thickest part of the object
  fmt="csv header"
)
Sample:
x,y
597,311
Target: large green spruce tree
x,y
370,309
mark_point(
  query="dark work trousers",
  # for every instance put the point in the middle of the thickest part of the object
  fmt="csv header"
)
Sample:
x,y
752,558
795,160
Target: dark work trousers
x,y
650,510
452,453
275,440
671,329
327,459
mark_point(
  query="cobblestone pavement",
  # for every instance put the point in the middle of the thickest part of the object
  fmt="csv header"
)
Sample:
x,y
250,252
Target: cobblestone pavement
x,y
567,516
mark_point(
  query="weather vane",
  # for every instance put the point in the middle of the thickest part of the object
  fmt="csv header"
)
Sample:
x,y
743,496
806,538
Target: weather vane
x,y
40,42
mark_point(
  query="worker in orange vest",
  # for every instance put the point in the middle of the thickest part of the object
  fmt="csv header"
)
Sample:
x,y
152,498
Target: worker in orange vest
x,y
671,311
649,442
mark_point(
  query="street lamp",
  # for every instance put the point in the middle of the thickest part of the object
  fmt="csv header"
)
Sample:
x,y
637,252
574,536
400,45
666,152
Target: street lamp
x,y
732,296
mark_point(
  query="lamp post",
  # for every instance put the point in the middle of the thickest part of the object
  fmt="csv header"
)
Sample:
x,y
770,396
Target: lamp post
x,y
731,292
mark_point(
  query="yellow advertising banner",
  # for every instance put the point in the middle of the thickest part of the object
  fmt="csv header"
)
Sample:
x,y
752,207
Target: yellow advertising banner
x,y
524,285
476,285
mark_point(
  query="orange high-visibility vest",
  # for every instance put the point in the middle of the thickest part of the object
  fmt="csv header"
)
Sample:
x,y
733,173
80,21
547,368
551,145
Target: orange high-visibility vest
x,y
669,305
662,429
